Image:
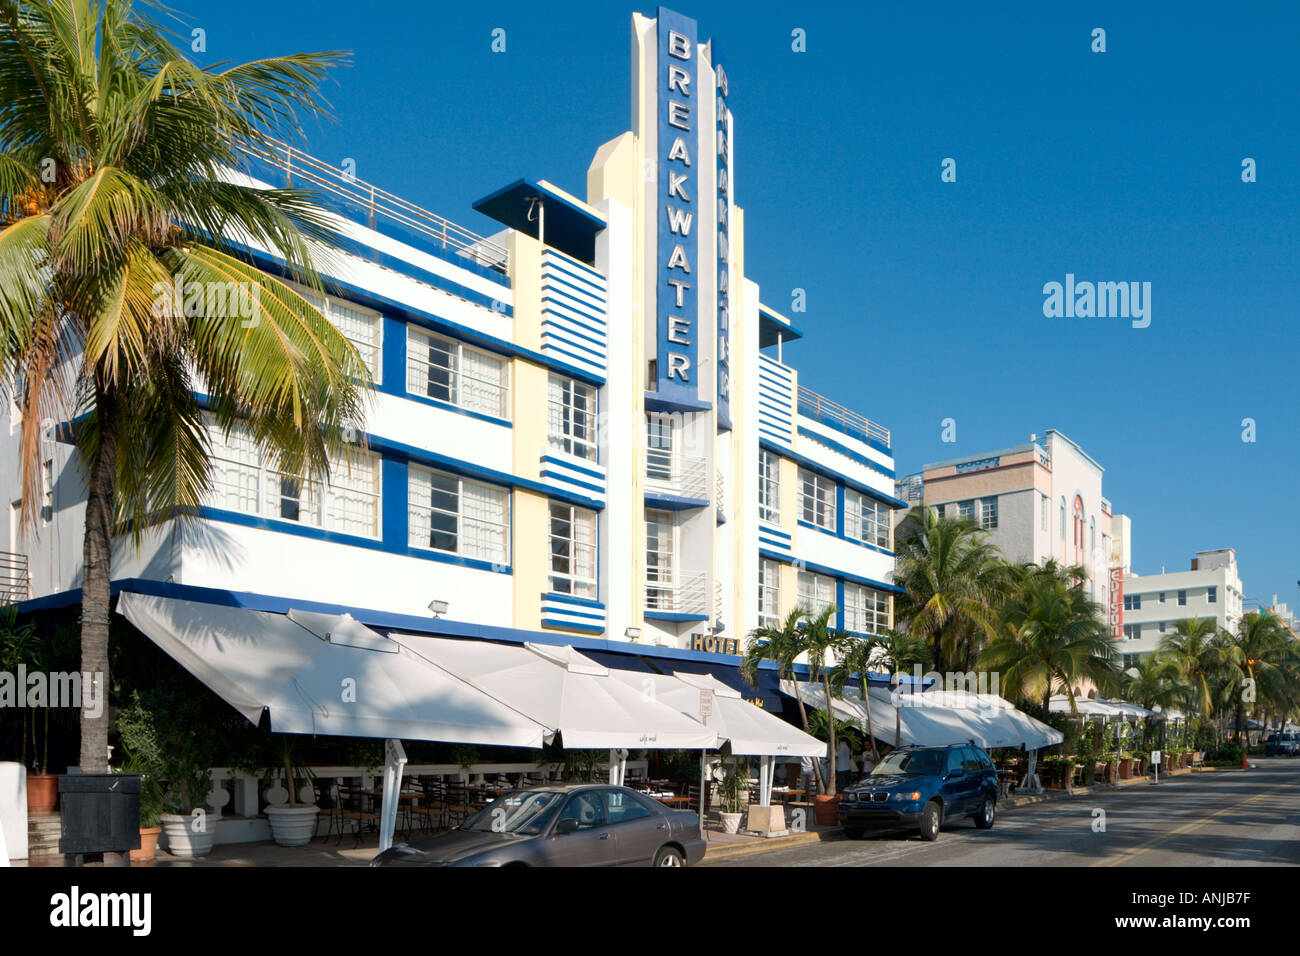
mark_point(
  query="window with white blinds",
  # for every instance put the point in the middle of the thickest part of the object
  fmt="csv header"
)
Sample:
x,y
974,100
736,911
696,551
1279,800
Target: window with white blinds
x,y
571,416
816,592
865,519
244,480
769,486
449,371
573,551
769,593
865,609
459,516
361,326
816,499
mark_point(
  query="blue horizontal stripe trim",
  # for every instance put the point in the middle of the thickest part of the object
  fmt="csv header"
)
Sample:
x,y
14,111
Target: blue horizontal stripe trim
x,y
573,340
834,475
779,371
355,541
582,277
573,481
427,320
669,616
569,599
583,469
674,502
573,355
572,326
846,452
845,538
774,532
445,406
579,614
431,459
654,402
572,626
561,281
833,572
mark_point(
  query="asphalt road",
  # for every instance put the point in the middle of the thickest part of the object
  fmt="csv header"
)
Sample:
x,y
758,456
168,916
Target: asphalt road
x,y
1223,818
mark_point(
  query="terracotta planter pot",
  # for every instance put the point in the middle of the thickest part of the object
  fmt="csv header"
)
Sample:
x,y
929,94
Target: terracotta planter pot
x,y
826,810
148,845
1126,768
42,792
1112,770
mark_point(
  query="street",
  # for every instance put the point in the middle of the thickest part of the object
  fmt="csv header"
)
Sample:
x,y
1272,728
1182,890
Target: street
x,y
1222,818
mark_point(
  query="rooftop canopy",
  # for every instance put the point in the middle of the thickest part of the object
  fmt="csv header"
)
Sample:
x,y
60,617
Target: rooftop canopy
x,y
570,224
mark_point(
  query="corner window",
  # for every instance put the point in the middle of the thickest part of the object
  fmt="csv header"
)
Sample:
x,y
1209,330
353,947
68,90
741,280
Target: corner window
x,y
866,519
816,500
866,610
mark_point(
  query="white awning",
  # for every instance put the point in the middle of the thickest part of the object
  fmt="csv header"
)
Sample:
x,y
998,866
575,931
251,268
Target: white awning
x,y
751,730
935,718
324,674
566,691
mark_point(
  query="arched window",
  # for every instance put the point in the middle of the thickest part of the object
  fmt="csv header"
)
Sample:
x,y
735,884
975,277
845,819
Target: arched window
x,y
1062,519
1078,529
1092,540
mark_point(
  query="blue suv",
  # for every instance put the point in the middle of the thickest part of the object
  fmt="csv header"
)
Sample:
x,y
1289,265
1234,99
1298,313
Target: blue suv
x,y
922,787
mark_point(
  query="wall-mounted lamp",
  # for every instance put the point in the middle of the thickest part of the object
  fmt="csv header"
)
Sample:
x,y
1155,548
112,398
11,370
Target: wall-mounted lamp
x,y
632,633
438,608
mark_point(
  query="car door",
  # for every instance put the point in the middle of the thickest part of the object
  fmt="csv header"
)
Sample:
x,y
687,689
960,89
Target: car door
x,y
955,789
978,769
640,827
593,841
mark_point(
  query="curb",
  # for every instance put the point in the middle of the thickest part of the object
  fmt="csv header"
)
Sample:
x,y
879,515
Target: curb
x,y
774,843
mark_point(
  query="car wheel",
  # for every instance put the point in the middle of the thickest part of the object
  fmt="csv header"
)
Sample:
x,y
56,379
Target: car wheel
x,y
984,815
667,856
854,833
931,817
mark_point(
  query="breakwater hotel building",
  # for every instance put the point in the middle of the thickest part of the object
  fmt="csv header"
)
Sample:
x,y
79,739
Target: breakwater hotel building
x,y
585,428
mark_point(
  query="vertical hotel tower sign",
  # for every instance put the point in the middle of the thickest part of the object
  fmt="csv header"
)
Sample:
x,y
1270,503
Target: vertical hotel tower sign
x,y
678,197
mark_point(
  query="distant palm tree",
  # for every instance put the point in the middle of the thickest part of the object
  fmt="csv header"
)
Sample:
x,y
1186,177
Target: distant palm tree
x,y
1052,637
954,580
115,187
1254,656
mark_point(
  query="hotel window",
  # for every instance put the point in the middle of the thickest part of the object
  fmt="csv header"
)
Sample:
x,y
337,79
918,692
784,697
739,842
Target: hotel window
x,y
448,371
571,417
573,551
1212,595
769,486
989,514
1182,598
660,452
1044,510
1062,519
660,562
866,520
1132,632
1132,602
1162,597
866,610
816,500
1162,627
769,592
816,592
362,327
966,509
244,480
459,516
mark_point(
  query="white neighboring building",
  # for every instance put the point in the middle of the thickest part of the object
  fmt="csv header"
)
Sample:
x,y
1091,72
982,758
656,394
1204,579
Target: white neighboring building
x,y
1154,603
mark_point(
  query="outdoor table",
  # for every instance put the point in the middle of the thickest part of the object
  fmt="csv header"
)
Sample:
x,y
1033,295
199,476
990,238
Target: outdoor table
x,y
673,801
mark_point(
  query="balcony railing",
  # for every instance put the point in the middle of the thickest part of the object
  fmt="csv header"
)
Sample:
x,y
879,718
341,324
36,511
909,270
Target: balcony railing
x,y
678,475
303,167
676,592
830,413
15,578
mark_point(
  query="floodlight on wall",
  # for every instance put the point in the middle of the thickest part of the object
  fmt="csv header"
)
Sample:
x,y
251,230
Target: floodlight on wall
x,y
438,608
632,633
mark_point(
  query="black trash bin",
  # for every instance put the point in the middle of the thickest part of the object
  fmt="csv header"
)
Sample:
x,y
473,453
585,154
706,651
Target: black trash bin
x,y
101,814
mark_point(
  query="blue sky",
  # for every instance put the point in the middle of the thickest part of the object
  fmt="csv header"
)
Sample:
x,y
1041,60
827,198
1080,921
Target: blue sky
x,y
925,298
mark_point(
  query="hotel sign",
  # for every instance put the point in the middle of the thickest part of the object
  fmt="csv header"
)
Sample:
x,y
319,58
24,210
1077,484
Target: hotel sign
x,y
722,150
715,645
1117,604
677,211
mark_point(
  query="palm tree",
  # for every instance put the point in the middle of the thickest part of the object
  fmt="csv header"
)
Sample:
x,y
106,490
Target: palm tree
x,y
953,580
821,642
782,646
901,652
1253,656
115,186
1154,682
857,657
1053,636
1199,659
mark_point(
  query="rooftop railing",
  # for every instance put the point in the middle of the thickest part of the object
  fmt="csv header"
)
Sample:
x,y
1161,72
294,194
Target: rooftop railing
x,y
331,180
830,413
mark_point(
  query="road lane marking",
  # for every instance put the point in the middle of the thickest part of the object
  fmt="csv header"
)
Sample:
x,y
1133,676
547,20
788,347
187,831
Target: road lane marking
x,y
1184,829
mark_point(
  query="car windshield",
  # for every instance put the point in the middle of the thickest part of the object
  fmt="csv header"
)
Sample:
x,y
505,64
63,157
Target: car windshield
x,y
526,812
912,762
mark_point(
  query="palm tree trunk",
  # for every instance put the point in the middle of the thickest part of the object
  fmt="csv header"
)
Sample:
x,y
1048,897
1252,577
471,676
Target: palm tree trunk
x,y
803,716
871,734
96,581
830,729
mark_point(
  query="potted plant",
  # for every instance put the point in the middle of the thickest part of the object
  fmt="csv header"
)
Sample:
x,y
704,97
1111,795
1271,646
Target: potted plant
x,y
1125,765
293,823
22,648
733,791
139,746
184,767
